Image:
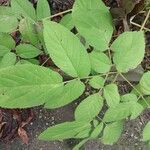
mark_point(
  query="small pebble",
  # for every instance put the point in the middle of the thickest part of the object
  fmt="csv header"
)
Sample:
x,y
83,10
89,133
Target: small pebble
x,y
47,124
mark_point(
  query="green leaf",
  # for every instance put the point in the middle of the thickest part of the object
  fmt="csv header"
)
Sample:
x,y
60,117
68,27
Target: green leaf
x,y
119,112
23,86
112,133
3,50
95,133
42,10
136,110
67,21
66,50
63,131
146,103
146,132
23,8
71,91
6,40
94,22
8,20
41,37
111,95
8,23
80,144
4,10
95,123
28,61
145,83
28,31
123,110
125,47
82,40
137,90
100,62
148,145
8,59
97,82
129,98
148,4
34,61
27,51
84,133
91,105
23,61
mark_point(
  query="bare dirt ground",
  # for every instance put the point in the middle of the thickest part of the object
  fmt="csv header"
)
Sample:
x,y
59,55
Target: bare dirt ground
x,y
44,118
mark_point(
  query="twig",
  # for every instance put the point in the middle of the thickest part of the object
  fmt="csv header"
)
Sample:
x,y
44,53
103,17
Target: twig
x,y
45,61
58,14
138,25
147,16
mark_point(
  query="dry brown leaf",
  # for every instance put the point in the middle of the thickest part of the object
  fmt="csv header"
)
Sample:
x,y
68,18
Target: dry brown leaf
x,y
23,135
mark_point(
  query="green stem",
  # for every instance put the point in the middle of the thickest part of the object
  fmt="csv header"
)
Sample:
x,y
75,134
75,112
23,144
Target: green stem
x,y
88,77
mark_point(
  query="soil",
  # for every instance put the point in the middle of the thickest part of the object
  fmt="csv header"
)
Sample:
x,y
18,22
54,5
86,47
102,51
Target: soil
x,y
43,118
